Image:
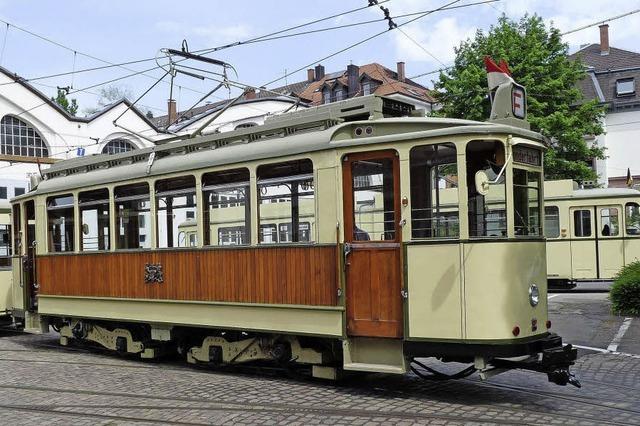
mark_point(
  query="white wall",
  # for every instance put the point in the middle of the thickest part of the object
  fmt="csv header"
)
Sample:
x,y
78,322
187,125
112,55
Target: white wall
x,y
623,143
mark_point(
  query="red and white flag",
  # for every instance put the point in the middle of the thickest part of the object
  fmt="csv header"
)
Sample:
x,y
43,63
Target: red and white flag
x,y
497,74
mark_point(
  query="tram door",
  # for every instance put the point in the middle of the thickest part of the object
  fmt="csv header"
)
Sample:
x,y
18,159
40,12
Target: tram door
x,y
583,243
29,260
372,250
610,242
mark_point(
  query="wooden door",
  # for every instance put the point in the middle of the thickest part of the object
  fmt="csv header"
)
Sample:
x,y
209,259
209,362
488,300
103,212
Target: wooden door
x,y
372,244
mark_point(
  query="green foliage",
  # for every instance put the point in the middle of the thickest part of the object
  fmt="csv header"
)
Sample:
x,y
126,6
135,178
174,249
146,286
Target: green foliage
x,y
538,60
625,291
61,99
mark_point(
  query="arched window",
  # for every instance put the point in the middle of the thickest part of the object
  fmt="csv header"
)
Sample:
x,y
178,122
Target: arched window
x,y
117,146
19,138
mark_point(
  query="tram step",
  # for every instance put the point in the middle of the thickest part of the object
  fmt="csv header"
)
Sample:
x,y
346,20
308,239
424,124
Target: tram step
x,y
374,368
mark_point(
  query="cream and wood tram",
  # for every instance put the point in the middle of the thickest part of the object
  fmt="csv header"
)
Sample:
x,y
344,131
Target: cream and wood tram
x,y
591,233
320,238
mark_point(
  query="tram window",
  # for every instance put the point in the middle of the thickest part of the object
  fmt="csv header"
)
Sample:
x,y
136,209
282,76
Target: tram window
x,y
551,222
487,213
632,219
5,246
226,207
526,202
60,219
582,223
286,195
434,191
174,199
609,222
133,216
94,220
373,200
268,233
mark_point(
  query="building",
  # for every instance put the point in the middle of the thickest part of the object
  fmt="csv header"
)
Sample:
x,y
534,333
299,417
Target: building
x,y
319,88
612,78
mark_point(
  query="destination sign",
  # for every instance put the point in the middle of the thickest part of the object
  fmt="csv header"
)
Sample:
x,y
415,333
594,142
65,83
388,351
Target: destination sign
x,y
526,155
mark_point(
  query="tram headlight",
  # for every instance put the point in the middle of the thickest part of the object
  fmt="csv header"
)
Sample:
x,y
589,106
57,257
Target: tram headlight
x,y
534,295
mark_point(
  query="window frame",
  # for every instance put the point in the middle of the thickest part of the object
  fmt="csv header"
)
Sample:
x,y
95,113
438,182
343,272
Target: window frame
x,y
30,142
557,215
635,225
92,203
429,179
174,193
574,223
626,92
291,218
601,219
70,206
145,197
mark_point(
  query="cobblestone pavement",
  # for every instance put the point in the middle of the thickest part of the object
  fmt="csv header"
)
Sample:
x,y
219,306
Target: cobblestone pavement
x,y
43,383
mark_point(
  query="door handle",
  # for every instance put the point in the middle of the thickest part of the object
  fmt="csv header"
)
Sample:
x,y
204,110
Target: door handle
x,y
346,251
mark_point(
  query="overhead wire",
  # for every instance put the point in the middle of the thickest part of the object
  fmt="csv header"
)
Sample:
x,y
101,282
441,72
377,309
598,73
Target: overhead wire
x,y
371,37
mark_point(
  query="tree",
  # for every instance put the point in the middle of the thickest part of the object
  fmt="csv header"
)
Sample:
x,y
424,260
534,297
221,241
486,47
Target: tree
x,y
109,95
538,60
61,99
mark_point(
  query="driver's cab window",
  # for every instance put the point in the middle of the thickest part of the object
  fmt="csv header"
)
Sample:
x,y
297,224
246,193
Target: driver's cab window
x,y
487,213
632,219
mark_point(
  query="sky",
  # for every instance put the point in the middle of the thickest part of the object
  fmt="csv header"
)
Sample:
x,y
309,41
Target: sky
x,y
118,31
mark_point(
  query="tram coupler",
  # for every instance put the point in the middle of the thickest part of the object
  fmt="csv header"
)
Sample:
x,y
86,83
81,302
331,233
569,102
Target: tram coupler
x,y
554,361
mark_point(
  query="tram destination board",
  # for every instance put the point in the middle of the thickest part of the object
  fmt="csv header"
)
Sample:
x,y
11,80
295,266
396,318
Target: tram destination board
x,y
525,155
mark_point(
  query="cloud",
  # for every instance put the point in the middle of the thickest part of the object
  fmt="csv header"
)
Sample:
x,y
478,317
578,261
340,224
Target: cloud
x,y
206,34
439,39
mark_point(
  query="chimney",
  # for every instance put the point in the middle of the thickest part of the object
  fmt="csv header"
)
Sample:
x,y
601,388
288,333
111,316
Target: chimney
x,y
249,93
604,39
172,111
319,72
401,75
311,75
353,80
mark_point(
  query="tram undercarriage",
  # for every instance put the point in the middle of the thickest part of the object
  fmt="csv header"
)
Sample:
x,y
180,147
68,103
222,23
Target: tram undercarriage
x,y
324,356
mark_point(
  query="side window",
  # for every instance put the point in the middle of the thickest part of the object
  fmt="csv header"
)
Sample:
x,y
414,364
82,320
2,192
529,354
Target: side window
x,y
94,220
133,216
526,202
487,213
227,213
582,223
286,202
60,223
176,207
17,230
551,222
609,222
434,191
632,219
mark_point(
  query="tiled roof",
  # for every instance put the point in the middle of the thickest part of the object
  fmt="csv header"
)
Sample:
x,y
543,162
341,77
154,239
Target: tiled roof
x,y
617,58
603,73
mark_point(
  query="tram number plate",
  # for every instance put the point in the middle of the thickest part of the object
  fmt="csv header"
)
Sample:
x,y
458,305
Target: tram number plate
x,y
153,273
524,155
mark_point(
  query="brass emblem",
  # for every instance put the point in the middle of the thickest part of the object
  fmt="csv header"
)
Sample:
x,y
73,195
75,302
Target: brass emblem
x,y
153,273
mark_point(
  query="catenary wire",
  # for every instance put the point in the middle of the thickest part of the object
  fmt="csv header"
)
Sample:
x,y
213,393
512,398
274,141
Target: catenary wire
x,y
351,46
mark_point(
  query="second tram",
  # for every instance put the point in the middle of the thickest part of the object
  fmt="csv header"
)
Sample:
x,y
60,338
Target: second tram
x,y
591,233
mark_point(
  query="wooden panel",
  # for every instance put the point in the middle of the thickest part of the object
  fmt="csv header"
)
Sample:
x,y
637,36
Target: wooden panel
x,y
277,275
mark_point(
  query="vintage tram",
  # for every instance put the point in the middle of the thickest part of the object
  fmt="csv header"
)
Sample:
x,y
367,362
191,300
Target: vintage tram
x,y
350,236
591,233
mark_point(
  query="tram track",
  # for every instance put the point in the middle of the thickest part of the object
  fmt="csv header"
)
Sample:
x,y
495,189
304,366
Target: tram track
x,y
287,408
231,406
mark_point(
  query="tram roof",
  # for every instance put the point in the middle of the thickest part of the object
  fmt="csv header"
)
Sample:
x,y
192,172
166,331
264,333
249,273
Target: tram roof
x,y
311,130
567,189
